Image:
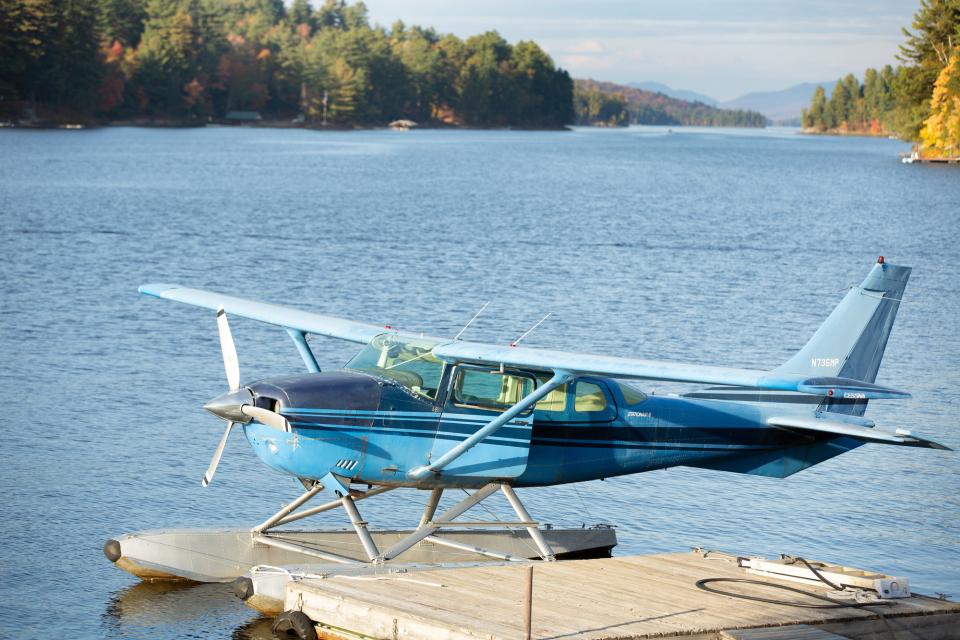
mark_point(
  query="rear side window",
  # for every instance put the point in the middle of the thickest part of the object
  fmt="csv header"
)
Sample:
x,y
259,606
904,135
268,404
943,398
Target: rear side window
x,y
631,395
490,389
589,398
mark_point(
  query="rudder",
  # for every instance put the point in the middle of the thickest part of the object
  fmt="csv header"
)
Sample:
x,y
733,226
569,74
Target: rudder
x,y
852,340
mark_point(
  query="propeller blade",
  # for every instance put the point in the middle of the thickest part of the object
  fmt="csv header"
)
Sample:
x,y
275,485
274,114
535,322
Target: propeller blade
x,y
267,417
208,476
230,362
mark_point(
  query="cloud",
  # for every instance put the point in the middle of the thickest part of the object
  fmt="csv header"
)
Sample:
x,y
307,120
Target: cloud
x,y
723,49
588,48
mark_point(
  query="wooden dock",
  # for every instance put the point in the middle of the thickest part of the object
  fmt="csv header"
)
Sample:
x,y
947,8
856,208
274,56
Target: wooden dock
x,y
627,597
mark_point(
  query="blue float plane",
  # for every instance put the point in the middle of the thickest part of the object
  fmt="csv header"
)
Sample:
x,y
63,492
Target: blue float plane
x,y
435,413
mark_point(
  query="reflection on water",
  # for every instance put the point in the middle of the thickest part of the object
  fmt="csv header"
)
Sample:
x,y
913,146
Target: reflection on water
x,y
144,609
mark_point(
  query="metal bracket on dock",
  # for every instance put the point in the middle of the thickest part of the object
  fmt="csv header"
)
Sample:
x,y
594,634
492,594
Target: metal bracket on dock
x,y
796,570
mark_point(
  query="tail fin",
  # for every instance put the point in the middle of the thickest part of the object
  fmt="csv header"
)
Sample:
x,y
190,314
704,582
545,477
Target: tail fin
x,y
851,342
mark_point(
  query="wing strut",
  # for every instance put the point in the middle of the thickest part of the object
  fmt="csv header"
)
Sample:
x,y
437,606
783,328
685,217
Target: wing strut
x,y
559,377
300,339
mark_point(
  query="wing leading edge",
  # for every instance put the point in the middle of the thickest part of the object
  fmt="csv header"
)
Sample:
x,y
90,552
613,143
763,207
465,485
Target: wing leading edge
x,y
286,317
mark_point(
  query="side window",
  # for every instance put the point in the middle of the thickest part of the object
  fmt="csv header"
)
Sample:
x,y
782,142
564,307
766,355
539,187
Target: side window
x,y
490,389
589,398
555,401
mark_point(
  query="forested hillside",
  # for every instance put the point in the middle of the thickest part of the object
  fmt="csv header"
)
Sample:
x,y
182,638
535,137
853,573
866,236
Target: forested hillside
x,y
919,100
609,104
182,61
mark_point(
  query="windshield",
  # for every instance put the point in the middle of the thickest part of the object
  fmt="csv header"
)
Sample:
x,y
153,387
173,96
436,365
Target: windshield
x,y
409,361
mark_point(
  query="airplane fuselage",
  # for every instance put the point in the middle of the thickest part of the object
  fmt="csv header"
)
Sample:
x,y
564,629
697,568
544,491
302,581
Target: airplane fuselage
x,y
365,428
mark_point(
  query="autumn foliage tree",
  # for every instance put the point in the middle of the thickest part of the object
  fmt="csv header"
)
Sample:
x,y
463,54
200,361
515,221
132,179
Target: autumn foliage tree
x,y
940,135
901,99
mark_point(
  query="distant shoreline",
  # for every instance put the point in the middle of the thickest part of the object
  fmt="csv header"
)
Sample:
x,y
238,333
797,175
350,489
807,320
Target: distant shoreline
x,y
259,124
851,134
282,124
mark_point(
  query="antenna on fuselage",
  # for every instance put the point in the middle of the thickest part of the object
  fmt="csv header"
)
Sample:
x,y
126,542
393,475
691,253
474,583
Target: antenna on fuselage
x,y
530,330
475,316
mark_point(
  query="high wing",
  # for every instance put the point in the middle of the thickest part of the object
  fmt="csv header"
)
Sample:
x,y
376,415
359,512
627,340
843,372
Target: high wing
x,y
304,321
540,359
550,360
860,432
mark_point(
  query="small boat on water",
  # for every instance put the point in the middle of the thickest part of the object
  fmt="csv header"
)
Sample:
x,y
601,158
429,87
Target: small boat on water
x,y
403,125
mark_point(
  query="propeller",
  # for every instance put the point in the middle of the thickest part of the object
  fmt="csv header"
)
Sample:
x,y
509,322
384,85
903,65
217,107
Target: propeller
x,y
237,405
229,350
208,476
231,365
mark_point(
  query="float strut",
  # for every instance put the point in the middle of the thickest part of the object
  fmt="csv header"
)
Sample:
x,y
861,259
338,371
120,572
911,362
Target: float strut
x,y
278,516
431,508
427,529
545,551
360,526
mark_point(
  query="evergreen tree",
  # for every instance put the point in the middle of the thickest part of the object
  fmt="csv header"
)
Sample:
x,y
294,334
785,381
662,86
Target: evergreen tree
x,y
301,13
873,94
839,105
121,21
818,110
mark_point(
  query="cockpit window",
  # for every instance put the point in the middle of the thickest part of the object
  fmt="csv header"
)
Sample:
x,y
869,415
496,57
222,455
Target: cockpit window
x,y
409,361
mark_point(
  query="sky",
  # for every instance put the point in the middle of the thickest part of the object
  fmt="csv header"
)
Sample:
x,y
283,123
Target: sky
x,y
721,48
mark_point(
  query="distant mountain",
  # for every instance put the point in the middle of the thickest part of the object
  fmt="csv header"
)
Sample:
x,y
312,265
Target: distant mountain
x,y
682,94
779,106
609,104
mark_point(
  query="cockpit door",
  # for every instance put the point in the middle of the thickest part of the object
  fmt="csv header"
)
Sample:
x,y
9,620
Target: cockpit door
x,y
475,396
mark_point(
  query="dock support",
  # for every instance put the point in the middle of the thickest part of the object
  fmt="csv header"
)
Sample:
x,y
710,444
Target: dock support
x,y
528,606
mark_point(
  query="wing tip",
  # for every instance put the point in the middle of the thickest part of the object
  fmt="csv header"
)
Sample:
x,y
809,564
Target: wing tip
x,y
156,289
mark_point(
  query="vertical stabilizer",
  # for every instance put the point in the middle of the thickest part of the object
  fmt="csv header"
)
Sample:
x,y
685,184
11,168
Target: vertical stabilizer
x,y
851,342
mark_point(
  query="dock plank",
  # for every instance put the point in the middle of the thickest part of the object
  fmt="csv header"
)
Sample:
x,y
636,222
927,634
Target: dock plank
x,y
638,597
788,632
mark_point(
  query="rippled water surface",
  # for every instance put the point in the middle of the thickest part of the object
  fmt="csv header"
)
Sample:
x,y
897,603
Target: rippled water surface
x,y
725,247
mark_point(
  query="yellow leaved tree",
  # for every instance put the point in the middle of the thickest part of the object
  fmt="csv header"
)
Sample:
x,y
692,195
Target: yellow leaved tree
x,y
940,136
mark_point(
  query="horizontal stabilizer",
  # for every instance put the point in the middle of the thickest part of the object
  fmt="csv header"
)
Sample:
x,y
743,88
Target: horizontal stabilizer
x,y
860,432
847,388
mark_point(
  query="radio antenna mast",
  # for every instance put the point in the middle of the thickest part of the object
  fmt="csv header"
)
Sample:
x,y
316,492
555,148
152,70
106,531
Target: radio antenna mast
x,y
530,330
475,316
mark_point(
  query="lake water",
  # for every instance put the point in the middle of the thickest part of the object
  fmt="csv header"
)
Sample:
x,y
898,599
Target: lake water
x,y
719,246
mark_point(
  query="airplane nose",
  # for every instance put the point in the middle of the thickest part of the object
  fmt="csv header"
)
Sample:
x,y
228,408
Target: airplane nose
x,y
228,406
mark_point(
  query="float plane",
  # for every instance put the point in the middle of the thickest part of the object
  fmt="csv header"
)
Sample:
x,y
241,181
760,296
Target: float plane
x,y
434,414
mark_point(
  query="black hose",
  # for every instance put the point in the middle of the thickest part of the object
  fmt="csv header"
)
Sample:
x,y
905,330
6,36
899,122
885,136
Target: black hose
x,y
702,584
